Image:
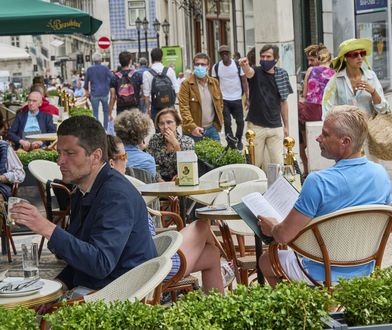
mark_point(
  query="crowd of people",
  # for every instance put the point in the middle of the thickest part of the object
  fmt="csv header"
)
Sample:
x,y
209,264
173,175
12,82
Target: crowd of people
x,y
100,244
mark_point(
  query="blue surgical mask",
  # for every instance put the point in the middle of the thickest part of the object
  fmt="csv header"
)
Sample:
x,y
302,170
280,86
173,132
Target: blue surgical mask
x,y
267,65
200,71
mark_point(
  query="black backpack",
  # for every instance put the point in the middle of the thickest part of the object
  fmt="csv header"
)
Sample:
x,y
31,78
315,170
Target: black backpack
x,y
162,92
126,91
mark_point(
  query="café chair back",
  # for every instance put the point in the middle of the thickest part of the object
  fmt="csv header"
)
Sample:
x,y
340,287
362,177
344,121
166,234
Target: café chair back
x,y
150,200
136,284
348,237
242,172
242,254
45,172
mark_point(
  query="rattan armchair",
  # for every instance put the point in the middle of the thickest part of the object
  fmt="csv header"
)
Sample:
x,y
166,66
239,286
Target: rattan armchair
x,y
348,237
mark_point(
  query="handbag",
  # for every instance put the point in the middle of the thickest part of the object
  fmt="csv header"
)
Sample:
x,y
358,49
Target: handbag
x,y
309,112
380,136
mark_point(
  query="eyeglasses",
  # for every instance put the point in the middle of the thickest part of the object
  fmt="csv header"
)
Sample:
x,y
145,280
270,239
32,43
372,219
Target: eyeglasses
x,y
167,122
202,64
122,157
356,54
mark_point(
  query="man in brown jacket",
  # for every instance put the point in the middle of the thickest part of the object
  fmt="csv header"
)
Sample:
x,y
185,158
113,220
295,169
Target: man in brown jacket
x,y
201,102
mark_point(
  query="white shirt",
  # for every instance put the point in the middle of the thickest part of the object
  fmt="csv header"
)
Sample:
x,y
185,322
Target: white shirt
x,y
158,68
14,167
229,81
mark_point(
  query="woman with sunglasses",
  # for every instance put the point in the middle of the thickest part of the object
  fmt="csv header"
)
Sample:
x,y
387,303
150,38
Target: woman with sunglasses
x,y
164,145
355,83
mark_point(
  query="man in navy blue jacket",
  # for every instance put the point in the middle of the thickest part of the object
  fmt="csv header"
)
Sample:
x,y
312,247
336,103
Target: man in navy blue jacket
x,y
29,122
108,232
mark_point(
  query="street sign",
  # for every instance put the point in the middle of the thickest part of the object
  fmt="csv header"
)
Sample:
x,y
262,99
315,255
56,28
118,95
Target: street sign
x,y
104,42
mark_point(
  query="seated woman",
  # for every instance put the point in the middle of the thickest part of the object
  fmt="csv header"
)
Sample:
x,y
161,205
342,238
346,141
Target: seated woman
x,y
164,145
198,244
132,127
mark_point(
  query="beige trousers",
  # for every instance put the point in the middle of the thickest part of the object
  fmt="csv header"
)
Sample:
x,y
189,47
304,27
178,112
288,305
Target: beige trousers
x,y
268,145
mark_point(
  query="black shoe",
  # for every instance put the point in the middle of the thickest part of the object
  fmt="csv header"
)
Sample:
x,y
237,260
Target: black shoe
x,y
240,146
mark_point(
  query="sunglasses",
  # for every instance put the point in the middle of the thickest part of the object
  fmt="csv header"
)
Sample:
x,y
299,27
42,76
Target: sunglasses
x,y
122,157
356,54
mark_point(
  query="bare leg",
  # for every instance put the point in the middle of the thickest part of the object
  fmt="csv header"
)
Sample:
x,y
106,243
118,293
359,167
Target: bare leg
x,y
266,268
202,254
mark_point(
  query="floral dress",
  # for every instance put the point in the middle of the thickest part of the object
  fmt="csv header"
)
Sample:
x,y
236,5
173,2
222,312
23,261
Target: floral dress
x,y
167,160
318,79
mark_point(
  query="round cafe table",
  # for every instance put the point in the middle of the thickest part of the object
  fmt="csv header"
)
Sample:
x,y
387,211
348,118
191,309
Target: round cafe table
x,y
51,291
166,189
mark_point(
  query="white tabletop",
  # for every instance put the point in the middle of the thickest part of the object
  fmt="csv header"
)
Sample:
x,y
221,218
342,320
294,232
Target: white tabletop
x,y
228,214
50,292
42,137
165,189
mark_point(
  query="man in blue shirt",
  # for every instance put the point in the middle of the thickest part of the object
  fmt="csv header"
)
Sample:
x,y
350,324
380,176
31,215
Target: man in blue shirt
x,y
96,84
354,180
30,121
108,232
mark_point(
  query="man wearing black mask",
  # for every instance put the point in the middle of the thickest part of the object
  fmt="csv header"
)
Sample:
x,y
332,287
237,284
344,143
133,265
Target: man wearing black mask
x,y
269,87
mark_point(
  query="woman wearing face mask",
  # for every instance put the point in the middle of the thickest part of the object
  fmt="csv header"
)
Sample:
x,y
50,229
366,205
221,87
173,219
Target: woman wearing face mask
x,y
164,145
200,101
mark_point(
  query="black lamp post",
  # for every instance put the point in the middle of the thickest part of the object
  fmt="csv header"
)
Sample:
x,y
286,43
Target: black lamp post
x,y
138,24
157,26
165,28
145,27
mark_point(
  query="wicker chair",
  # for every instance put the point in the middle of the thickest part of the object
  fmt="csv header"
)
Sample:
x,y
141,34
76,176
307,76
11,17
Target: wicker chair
x,y
348,237
242,255
170,221
44,171
243,173
135,284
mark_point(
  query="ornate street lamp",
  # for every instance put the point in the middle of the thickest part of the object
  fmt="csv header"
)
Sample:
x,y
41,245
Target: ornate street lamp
x,y
157,27
145,27
138,24
165,28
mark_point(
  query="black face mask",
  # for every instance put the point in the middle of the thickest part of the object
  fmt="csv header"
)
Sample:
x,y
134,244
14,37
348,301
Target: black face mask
x,y
267,65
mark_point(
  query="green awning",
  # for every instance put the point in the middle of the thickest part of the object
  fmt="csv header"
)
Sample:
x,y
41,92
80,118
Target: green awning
x,y
31,17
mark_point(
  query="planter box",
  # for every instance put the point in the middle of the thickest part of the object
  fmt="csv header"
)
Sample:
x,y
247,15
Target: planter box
x,y
29,179
336,321
204,167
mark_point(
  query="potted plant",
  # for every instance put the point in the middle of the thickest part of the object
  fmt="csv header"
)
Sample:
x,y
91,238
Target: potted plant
x,y
366,301
212,154
27,157
53,96
18,318
80,112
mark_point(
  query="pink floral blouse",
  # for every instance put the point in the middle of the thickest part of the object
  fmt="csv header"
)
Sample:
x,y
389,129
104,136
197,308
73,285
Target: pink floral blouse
x,y
318,79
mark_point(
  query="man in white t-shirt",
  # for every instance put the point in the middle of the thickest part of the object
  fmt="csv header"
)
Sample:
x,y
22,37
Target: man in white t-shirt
x,y
158,67
233,84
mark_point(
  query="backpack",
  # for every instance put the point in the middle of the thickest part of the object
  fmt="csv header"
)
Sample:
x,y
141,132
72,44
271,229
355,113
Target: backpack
x,y
216,69
125,90
162,92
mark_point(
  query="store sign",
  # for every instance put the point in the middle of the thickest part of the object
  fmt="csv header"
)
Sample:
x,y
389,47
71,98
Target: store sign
x,y
172,57
369,6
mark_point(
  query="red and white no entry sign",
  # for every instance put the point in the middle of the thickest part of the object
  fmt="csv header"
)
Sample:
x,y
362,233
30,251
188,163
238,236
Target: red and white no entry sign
x,y
104,42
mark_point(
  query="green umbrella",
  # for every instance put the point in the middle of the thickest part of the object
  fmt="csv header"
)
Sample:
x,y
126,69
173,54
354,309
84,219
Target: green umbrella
x,y
30,17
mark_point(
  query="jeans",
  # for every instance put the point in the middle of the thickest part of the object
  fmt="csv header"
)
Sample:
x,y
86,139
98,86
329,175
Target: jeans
x,y
233,108
209,132
105,108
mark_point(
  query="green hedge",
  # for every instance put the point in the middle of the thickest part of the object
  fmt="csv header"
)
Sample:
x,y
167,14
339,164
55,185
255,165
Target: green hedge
x,y
27,157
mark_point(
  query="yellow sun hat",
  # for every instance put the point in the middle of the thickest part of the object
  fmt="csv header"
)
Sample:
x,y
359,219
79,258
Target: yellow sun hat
x,y
348,46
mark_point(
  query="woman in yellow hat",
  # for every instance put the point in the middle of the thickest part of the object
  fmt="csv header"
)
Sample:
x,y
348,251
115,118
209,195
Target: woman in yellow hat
x,y
354,83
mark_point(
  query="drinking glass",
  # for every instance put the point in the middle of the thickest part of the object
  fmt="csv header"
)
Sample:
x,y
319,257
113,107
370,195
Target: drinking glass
x,y
11,202
227,182
30,261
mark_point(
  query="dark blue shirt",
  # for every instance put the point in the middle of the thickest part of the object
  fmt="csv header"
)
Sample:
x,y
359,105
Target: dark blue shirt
x,y
99,77
108,233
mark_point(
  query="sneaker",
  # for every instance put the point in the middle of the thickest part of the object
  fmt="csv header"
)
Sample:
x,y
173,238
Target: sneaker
x,y
240,146
227,274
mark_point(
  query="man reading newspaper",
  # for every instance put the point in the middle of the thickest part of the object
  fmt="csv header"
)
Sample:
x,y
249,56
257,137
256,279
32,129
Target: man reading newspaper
x,y
353,180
